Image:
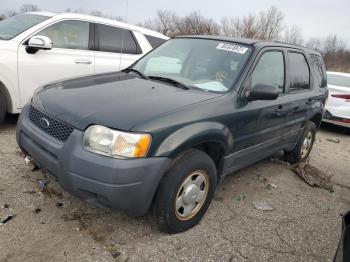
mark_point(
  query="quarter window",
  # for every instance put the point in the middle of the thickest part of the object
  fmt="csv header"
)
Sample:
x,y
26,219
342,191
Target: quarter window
x,y
68,34
269,70
154,41
116,40
320,70
299,72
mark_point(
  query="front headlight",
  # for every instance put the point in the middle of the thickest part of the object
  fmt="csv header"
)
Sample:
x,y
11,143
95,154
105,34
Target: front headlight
x,y
105,141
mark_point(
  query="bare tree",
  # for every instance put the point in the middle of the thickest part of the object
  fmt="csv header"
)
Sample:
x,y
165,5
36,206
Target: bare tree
x,y
266,25
333,44
269,24
28,8
231,27
293,35
196,24
314,43
165,23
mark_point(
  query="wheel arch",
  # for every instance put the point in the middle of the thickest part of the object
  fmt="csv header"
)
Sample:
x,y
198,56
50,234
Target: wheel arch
x,y
213,138
316,119
9,93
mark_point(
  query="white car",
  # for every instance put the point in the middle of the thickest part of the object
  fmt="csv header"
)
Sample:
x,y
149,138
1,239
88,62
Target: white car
x,y
41,47
338,104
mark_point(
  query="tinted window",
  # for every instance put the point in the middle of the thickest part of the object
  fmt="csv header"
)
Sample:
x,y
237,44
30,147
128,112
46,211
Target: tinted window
x,y
320,70
68,34
154,41
269,70
13,26
299,71
339,80
111,38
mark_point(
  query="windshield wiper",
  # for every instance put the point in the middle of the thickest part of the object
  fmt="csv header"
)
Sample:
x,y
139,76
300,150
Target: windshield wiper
x,y
170,81
135,71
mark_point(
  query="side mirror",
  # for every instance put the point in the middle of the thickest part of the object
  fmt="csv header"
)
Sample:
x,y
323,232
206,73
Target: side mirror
x,y
263,92
39,42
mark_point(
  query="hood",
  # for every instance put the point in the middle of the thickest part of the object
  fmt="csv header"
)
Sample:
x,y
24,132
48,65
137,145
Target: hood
x,y
116,100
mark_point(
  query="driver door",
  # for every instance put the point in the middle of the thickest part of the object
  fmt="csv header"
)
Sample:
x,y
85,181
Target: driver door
x,y
69,57
267,118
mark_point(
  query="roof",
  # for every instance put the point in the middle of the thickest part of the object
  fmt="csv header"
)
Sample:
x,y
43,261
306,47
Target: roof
x,y
250,41
103,21
44,13
247,41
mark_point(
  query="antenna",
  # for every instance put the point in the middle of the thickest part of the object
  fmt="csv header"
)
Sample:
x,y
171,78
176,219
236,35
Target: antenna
x,y
126,17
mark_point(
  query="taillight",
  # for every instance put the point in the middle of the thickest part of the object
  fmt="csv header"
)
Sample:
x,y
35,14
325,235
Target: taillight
x,y
342,96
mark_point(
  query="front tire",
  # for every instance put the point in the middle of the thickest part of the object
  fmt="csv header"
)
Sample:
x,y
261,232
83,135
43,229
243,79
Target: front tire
x,y
185,192
303,148
2,107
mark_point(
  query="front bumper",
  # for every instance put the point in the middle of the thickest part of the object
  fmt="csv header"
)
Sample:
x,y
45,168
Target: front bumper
x,y
127,185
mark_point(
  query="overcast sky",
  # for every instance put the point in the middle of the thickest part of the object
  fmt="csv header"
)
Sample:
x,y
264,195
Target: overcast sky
x,y
315,17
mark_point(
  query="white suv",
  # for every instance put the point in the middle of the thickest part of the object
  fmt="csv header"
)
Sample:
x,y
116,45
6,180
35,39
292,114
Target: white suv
x,y
40,47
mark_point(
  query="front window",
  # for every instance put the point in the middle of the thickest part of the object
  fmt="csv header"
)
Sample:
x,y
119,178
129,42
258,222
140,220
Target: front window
x,y
11,27
68,34
269,70
208,65
339,80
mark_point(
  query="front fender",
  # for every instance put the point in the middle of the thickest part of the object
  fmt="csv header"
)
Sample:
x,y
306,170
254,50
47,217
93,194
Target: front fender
x,y
195,134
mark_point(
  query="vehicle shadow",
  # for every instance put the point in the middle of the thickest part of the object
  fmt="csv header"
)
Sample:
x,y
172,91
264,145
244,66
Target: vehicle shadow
x,y
10,122
330,128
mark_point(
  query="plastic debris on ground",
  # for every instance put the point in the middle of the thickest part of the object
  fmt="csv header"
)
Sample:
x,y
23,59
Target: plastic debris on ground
x,y
333,140
240,198
5,206
29,161
37,211
313,176
262,206
7,219
42,183
264,181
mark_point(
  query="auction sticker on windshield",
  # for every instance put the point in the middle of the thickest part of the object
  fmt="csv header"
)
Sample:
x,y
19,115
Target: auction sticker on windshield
x,y
232,48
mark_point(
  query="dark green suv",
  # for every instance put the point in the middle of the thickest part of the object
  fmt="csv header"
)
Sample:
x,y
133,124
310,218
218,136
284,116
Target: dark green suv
x,y
162,133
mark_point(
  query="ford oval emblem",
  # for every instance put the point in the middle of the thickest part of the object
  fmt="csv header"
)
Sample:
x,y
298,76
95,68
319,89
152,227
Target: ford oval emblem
x,y
44,123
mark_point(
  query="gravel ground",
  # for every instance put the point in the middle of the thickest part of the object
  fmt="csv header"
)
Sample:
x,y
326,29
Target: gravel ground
x,y
304,225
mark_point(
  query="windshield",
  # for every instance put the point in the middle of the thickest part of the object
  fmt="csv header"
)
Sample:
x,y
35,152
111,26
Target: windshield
x,y
209,65
13,26
338,80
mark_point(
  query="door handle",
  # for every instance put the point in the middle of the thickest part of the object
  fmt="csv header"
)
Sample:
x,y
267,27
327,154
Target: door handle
x,y
280,111
83,61
309,101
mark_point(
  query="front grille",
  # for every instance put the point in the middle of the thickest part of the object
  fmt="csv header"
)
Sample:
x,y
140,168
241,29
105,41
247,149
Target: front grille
x,y
49,125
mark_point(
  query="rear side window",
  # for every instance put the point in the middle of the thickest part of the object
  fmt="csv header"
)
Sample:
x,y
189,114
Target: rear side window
x,y
320,70
155,41
68,34
269,70
299,72
115,40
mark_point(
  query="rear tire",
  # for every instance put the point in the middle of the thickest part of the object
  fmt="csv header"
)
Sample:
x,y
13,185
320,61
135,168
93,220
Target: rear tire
x,y
304,146
185,192
2,107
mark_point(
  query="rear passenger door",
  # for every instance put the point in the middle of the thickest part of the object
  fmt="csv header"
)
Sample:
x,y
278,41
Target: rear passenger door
x,y
115,48
299,92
